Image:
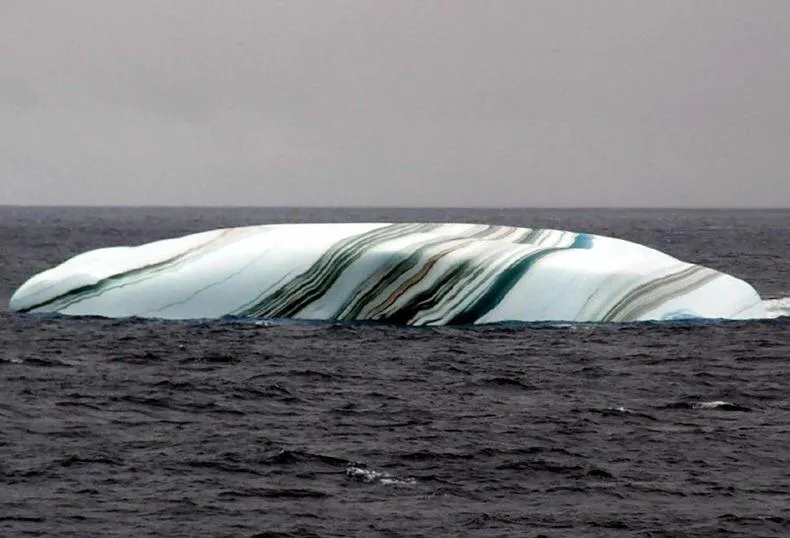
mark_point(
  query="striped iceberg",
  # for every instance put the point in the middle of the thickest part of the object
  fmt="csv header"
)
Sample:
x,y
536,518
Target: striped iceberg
x,y
406,273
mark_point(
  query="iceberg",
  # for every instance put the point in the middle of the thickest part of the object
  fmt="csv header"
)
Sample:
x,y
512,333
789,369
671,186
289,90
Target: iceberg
x,y
398,273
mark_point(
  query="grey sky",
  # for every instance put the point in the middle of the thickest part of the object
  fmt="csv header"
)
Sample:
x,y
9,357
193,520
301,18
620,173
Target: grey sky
x,y
439,103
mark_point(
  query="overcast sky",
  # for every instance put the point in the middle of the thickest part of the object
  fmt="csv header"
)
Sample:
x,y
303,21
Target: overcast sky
x,y
395,103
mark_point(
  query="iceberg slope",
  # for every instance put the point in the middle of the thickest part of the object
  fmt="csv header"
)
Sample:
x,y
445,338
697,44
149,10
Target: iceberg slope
x,y
408,273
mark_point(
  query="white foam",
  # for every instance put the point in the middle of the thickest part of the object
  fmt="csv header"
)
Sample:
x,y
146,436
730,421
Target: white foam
x,y
725,406
369,476
777,307
712,405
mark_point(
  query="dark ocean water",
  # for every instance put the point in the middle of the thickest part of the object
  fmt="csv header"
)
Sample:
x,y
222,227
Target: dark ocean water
x,y
148,428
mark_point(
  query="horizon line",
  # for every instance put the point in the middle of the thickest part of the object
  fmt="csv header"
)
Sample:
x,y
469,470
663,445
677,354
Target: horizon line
x,y
399,207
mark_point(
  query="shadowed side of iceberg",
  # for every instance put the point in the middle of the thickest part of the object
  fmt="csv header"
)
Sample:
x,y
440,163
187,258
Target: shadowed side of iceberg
x,y
406,273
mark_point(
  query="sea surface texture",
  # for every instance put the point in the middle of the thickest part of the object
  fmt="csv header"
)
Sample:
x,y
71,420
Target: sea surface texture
x,y
132,427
